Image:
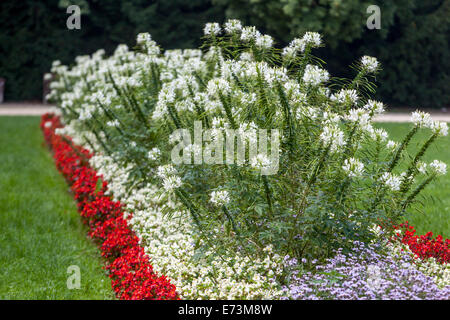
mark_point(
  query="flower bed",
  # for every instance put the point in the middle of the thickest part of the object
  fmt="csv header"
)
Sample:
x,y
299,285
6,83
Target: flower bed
x,y
129,267
265,222
133,277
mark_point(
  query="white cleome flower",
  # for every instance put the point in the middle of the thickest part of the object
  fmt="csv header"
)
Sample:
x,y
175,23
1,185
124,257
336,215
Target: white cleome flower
x,y
439,128
334,137
246,56
171,183
392,145
211,29
154,154
438,167
166,171
315,75
421,119
370,63
113,123
345,96
218,85
143,38
260,161
233,26
221,197
374,107
359,116
379,135
422,167
249,33
312,38
392,181
353,167
264,42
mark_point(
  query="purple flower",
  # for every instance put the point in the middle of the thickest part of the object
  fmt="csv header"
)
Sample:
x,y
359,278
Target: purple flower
x,y
365,274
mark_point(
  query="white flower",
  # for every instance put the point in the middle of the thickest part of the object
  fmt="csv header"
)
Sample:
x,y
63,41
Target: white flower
x,y
422,167
249,33
439,167
421,119
358,115
312,38
143,38
211,29
246,56
344,96
221,197
232,26
353,167
165,171
374,106
56,63
171,183
331,118
392,181
289,52
439,128
379,134
113,123
264,42
314,75
154,154
260,161
392,145
370,63
218,85
334,137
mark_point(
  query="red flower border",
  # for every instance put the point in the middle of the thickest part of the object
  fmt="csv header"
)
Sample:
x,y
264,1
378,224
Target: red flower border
x,y
132,275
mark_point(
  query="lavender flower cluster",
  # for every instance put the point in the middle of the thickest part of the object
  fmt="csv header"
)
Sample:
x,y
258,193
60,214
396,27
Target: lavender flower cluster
x,y
364,274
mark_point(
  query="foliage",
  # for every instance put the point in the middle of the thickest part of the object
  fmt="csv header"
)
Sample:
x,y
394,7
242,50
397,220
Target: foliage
x,y
338,176
34,33
412,44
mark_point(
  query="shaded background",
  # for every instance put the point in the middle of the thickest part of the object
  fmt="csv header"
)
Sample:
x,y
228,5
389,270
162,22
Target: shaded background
x,y
412,44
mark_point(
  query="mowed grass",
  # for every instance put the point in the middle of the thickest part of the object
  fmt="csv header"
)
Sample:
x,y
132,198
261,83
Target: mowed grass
x,y
41,233
433,212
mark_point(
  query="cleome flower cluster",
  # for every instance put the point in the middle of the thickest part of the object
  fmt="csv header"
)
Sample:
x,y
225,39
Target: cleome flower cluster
x,y
222,231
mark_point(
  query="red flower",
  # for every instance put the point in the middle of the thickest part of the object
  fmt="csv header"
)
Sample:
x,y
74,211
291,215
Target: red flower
x,y
425,246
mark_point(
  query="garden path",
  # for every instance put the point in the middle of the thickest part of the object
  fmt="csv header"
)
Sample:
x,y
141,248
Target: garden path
x,y
30,109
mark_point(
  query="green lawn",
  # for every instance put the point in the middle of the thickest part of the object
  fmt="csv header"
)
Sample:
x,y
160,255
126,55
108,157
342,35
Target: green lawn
x,y
434,214
41,233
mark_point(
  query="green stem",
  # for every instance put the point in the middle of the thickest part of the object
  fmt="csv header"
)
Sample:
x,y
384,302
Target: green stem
x,y
402,147
268,194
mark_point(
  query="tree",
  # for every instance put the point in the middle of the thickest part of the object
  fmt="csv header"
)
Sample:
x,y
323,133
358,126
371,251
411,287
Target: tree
x,y
412,44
